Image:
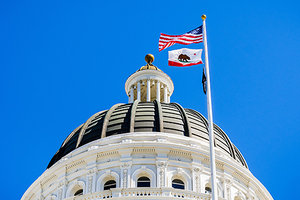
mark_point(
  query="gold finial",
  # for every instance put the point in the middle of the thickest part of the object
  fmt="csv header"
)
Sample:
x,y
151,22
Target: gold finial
x,y
203,17
149,59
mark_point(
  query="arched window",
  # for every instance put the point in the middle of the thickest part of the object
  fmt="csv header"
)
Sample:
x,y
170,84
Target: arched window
x,y
143,182
178,184
110,184
207,190
78,192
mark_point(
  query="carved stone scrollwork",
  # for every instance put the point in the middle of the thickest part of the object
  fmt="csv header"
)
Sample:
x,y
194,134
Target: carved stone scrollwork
x,y
90,183
196,170
161,169
196,179
161,164
126,165
125,170
179,171
90,179
228,184
92,171
162,177
60,190
61,183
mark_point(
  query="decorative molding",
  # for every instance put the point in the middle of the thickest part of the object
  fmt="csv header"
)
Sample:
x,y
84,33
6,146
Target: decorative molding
x,y
161,164
196,172
48,179
107,175
62,183
143,150
241,177
107,154
90,182
183,175
219,165
126,165
60,191
93,148
75,164
144,171
72,185
92,171
161,172
179,155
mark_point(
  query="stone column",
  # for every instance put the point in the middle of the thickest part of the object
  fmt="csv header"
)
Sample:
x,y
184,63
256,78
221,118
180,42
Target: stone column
x,y
161,173
131,95
94,181
165,94
196,179
227,189
59,193
148,90
158,91
125,174
91,186
138,92
91,171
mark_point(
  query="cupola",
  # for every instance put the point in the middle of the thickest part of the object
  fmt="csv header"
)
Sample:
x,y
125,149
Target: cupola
x,y
149,83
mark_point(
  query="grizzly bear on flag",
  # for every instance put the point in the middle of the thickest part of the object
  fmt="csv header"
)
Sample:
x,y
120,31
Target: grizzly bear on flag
x,y
183,58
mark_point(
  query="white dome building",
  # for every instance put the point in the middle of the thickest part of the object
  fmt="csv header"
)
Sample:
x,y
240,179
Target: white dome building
x,y
146,149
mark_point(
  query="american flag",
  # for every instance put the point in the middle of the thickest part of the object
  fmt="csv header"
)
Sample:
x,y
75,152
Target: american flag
x,y
193,36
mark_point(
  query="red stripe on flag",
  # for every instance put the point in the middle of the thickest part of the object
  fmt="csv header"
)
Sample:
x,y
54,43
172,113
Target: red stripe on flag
x,y
179,39
177,64
166,41
186,35
162,46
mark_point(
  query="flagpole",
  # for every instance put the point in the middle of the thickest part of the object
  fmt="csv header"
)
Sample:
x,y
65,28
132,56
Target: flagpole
x,y
210,117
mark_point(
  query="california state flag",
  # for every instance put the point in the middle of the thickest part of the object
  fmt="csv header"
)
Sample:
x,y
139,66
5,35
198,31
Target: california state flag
x,y
185,57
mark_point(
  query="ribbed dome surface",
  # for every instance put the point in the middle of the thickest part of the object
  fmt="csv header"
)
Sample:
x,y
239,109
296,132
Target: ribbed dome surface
x,y
146,117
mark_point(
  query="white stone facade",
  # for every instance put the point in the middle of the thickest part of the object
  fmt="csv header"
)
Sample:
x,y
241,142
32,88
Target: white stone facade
x,y
162,157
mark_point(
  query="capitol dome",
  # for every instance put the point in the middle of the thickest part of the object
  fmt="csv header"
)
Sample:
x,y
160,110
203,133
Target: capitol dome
x,y
146,117
148,148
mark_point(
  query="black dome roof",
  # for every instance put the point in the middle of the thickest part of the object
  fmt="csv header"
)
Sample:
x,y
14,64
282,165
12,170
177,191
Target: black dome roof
x,y
146,117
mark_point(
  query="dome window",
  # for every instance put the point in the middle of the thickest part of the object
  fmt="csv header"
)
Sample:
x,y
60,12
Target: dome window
x,y
178,184
78,192
207,190
110,184
143,182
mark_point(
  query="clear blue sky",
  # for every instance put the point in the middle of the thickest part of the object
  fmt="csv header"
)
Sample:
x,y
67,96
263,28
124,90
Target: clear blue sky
x,y
62,61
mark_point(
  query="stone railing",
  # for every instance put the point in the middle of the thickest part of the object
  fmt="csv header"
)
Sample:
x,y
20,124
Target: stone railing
x,y
143,193
106,194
